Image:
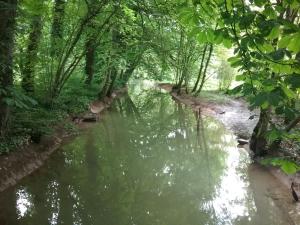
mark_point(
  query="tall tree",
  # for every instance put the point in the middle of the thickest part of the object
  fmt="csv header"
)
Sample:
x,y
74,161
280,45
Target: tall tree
x,y
203,79
57,26
7,29
31,54
89,60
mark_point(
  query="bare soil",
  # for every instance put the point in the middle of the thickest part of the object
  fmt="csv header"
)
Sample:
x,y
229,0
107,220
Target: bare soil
x,y
234,113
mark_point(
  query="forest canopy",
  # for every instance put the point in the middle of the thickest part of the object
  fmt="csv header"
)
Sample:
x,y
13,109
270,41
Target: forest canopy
x,y
56,56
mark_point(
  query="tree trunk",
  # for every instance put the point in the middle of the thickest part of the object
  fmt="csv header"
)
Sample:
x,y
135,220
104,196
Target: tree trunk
x,y
66,63
258,142
114,75
7,29
211,47
57,26
200,69
128,72
115,38
31,54
292,124
89,61
131,66
105,87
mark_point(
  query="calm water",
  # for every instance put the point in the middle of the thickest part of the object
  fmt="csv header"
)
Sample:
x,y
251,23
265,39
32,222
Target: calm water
x,y
150,161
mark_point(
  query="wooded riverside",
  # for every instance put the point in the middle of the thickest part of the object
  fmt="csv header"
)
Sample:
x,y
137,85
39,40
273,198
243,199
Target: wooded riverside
x,y
61,60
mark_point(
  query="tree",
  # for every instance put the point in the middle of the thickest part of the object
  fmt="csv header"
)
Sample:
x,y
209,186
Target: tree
x,y
7,29
57,27
30,57
265,36
89,60
225,75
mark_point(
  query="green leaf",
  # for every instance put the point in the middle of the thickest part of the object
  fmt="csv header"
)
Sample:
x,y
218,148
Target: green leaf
x,y
260,99
293,80
233,59
273,135
270,12
288,92
284,41
265,105
194,32
259,3
287,166
202,37
227,43
240,77
274,33
294,44
267,47
210,36
9,101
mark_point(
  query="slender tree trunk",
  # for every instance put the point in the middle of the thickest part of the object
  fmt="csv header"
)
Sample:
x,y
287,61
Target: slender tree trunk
x,y
115,37
89,61
128,72
132,65
200,69
114,76
105,87
67,64
292,124
31,54
7,29
182,78
211,47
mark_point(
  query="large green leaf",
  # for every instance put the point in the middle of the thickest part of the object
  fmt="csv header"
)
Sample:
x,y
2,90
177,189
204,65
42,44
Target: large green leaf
x,y
287,166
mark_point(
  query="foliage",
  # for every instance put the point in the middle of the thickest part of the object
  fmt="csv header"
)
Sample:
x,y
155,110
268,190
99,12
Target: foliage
x,y
82,50
287,166
17,99
225,76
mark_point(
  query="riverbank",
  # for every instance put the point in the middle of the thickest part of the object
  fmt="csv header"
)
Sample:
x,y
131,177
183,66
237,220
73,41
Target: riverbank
x,y
18,164
233,113
236,116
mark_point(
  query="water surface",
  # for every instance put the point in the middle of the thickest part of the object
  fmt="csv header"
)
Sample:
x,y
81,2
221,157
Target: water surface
x,y
150,161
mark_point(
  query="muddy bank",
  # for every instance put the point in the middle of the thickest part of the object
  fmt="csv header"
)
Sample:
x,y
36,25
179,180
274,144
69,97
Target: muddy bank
x,y
234,113
24,161
236,116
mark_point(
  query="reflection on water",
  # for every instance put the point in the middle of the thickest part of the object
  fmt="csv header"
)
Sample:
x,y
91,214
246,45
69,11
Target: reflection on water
x,y
150,161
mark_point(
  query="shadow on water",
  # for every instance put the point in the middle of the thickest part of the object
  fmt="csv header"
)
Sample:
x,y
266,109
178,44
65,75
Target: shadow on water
x,y
149,161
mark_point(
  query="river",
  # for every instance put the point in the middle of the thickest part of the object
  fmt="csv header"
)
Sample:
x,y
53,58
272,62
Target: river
x,y
149,161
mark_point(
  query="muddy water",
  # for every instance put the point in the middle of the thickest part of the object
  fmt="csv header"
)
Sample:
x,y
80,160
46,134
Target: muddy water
x,y
150,161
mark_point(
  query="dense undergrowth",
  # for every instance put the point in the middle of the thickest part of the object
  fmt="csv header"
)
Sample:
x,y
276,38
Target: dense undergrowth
x,y
29,123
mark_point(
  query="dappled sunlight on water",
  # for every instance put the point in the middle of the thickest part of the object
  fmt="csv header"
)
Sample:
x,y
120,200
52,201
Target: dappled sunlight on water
x,y
149,161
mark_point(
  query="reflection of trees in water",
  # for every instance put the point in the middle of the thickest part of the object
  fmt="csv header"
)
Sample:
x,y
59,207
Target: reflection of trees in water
x,y
143,164
8,212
